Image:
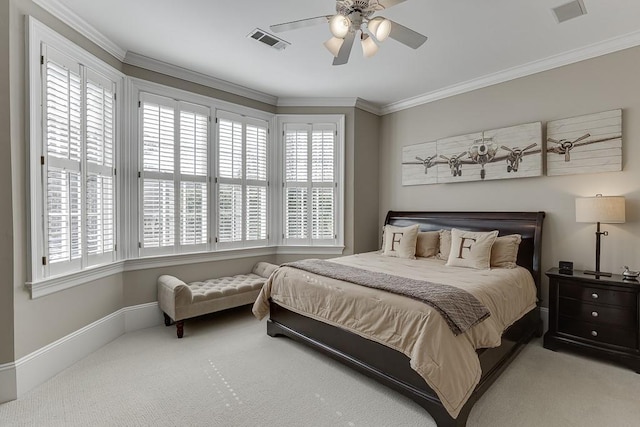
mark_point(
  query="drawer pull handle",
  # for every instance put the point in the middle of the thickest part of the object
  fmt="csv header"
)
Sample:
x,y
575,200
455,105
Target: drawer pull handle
x,y
594,333
594,295
594,314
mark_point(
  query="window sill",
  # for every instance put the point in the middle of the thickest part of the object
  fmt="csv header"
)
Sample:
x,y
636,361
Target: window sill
x,y
55,284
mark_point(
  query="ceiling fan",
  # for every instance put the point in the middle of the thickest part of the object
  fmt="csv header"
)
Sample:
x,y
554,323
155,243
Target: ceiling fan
x,y
353,16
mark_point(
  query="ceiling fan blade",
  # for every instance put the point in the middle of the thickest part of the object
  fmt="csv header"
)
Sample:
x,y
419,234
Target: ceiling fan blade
x,y
406,36
345,50
388,3
302,23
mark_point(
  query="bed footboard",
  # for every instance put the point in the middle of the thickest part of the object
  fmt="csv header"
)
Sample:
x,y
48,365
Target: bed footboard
x,y
391,367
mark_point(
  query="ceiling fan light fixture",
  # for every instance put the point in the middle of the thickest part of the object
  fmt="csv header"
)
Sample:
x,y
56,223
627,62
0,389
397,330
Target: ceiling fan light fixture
x,y
333,45
380,27
369,47
339,26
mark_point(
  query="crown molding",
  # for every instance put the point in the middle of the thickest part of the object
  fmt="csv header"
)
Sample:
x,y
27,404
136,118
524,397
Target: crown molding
x,y
74,21
592,51
369,107
330,102
317,102
142,61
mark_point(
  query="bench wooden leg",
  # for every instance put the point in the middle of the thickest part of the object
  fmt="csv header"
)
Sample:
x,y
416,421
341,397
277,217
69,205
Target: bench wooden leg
x,y
180,328
167,319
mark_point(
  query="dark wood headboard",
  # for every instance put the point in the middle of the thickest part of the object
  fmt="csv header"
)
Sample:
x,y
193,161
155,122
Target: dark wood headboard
x,y
527,224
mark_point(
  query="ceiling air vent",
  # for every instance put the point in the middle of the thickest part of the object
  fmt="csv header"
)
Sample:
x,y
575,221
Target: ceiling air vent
x,y
569,11
268,39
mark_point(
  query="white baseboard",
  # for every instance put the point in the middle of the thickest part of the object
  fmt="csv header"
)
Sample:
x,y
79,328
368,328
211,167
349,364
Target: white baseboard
x,y
8,382
34,369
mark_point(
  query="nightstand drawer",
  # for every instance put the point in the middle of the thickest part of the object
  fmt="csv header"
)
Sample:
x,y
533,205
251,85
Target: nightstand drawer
x,y
597,332
597,295
597,313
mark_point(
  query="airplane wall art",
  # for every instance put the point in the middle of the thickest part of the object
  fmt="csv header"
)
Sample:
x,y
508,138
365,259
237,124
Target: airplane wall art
x,y
512,152
585,144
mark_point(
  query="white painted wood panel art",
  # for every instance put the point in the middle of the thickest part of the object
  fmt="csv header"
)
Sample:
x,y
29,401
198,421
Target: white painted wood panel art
x,y
418,164
511,152
585,144
453,158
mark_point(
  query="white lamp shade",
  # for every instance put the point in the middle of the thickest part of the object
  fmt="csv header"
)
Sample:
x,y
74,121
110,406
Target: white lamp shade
x,y
380,27
605,209
339,26
369,47
333,45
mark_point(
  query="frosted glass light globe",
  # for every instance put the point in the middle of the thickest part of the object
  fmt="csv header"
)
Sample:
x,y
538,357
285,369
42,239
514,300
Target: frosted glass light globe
x,y
339,26
380,27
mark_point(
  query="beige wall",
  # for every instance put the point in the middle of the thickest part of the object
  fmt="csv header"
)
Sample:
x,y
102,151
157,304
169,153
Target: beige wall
x,y
365,185
6,208
599,84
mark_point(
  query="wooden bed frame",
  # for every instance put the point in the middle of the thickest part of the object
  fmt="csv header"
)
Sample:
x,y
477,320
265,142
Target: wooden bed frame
x,y
391,367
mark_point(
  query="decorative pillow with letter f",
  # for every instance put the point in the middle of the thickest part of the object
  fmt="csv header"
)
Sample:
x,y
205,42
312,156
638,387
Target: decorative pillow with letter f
x,y
471,249
400,241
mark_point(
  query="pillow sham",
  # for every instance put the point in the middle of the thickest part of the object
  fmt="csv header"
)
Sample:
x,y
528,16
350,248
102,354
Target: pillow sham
x,y
444,244
471,249
400,242
428,244
504,252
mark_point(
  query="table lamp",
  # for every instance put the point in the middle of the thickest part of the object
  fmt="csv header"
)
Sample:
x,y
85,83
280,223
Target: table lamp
x,y
600,209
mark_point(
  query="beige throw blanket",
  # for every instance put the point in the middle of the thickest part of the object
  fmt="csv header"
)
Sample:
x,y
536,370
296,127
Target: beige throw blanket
x,y
448,363
460,309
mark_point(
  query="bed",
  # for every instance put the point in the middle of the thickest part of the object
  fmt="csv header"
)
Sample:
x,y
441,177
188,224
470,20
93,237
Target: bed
x,y
386,361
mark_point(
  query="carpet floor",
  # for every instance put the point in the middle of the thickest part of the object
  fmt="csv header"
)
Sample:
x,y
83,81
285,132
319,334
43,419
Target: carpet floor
x,y
227,372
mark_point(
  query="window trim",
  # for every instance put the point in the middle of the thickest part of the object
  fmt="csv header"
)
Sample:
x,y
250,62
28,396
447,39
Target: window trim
x,y
38,35
339,162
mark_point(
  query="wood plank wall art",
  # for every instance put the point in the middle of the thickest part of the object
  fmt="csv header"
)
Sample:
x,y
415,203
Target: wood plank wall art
x,y
512,152
585,144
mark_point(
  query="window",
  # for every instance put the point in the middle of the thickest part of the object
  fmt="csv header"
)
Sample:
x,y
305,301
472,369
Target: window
x,y
242,181
174,176
312,183
75,174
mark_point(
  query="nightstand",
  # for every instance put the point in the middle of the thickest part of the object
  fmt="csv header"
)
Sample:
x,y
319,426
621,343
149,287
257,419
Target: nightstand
x,y
597,316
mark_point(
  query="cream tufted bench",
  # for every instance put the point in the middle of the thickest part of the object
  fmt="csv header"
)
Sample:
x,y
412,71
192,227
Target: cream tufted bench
x,y
179,300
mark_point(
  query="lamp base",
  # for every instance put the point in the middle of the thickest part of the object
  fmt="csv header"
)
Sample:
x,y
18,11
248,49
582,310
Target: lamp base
x,y
597,273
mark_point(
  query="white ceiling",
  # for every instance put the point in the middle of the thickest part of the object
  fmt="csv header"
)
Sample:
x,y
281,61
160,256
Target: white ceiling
x,y
470,42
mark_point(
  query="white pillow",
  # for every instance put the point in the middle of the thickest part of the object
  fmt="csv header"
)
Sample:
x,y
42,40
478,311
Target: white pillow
x,y
400,242
471,249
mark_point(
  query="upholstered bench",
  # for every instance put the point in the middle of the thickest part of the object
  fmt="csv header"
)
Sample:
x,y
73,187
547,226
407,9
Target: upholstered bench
x,y
179,300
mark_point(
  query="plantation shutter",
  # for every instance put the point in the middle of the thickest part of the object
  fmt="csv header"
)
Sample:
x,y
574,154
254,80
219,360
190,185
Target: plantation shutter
x,y
175,138
63,151
296,181
158,166
77,165
310,183
100,206
194,172
242,180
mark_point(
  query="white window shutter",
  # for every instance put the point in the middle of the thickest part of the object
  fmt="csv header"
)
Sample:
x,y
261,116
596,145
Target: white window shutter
x,y
100,195
310,183
63,149
194,189
175,187
242,180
